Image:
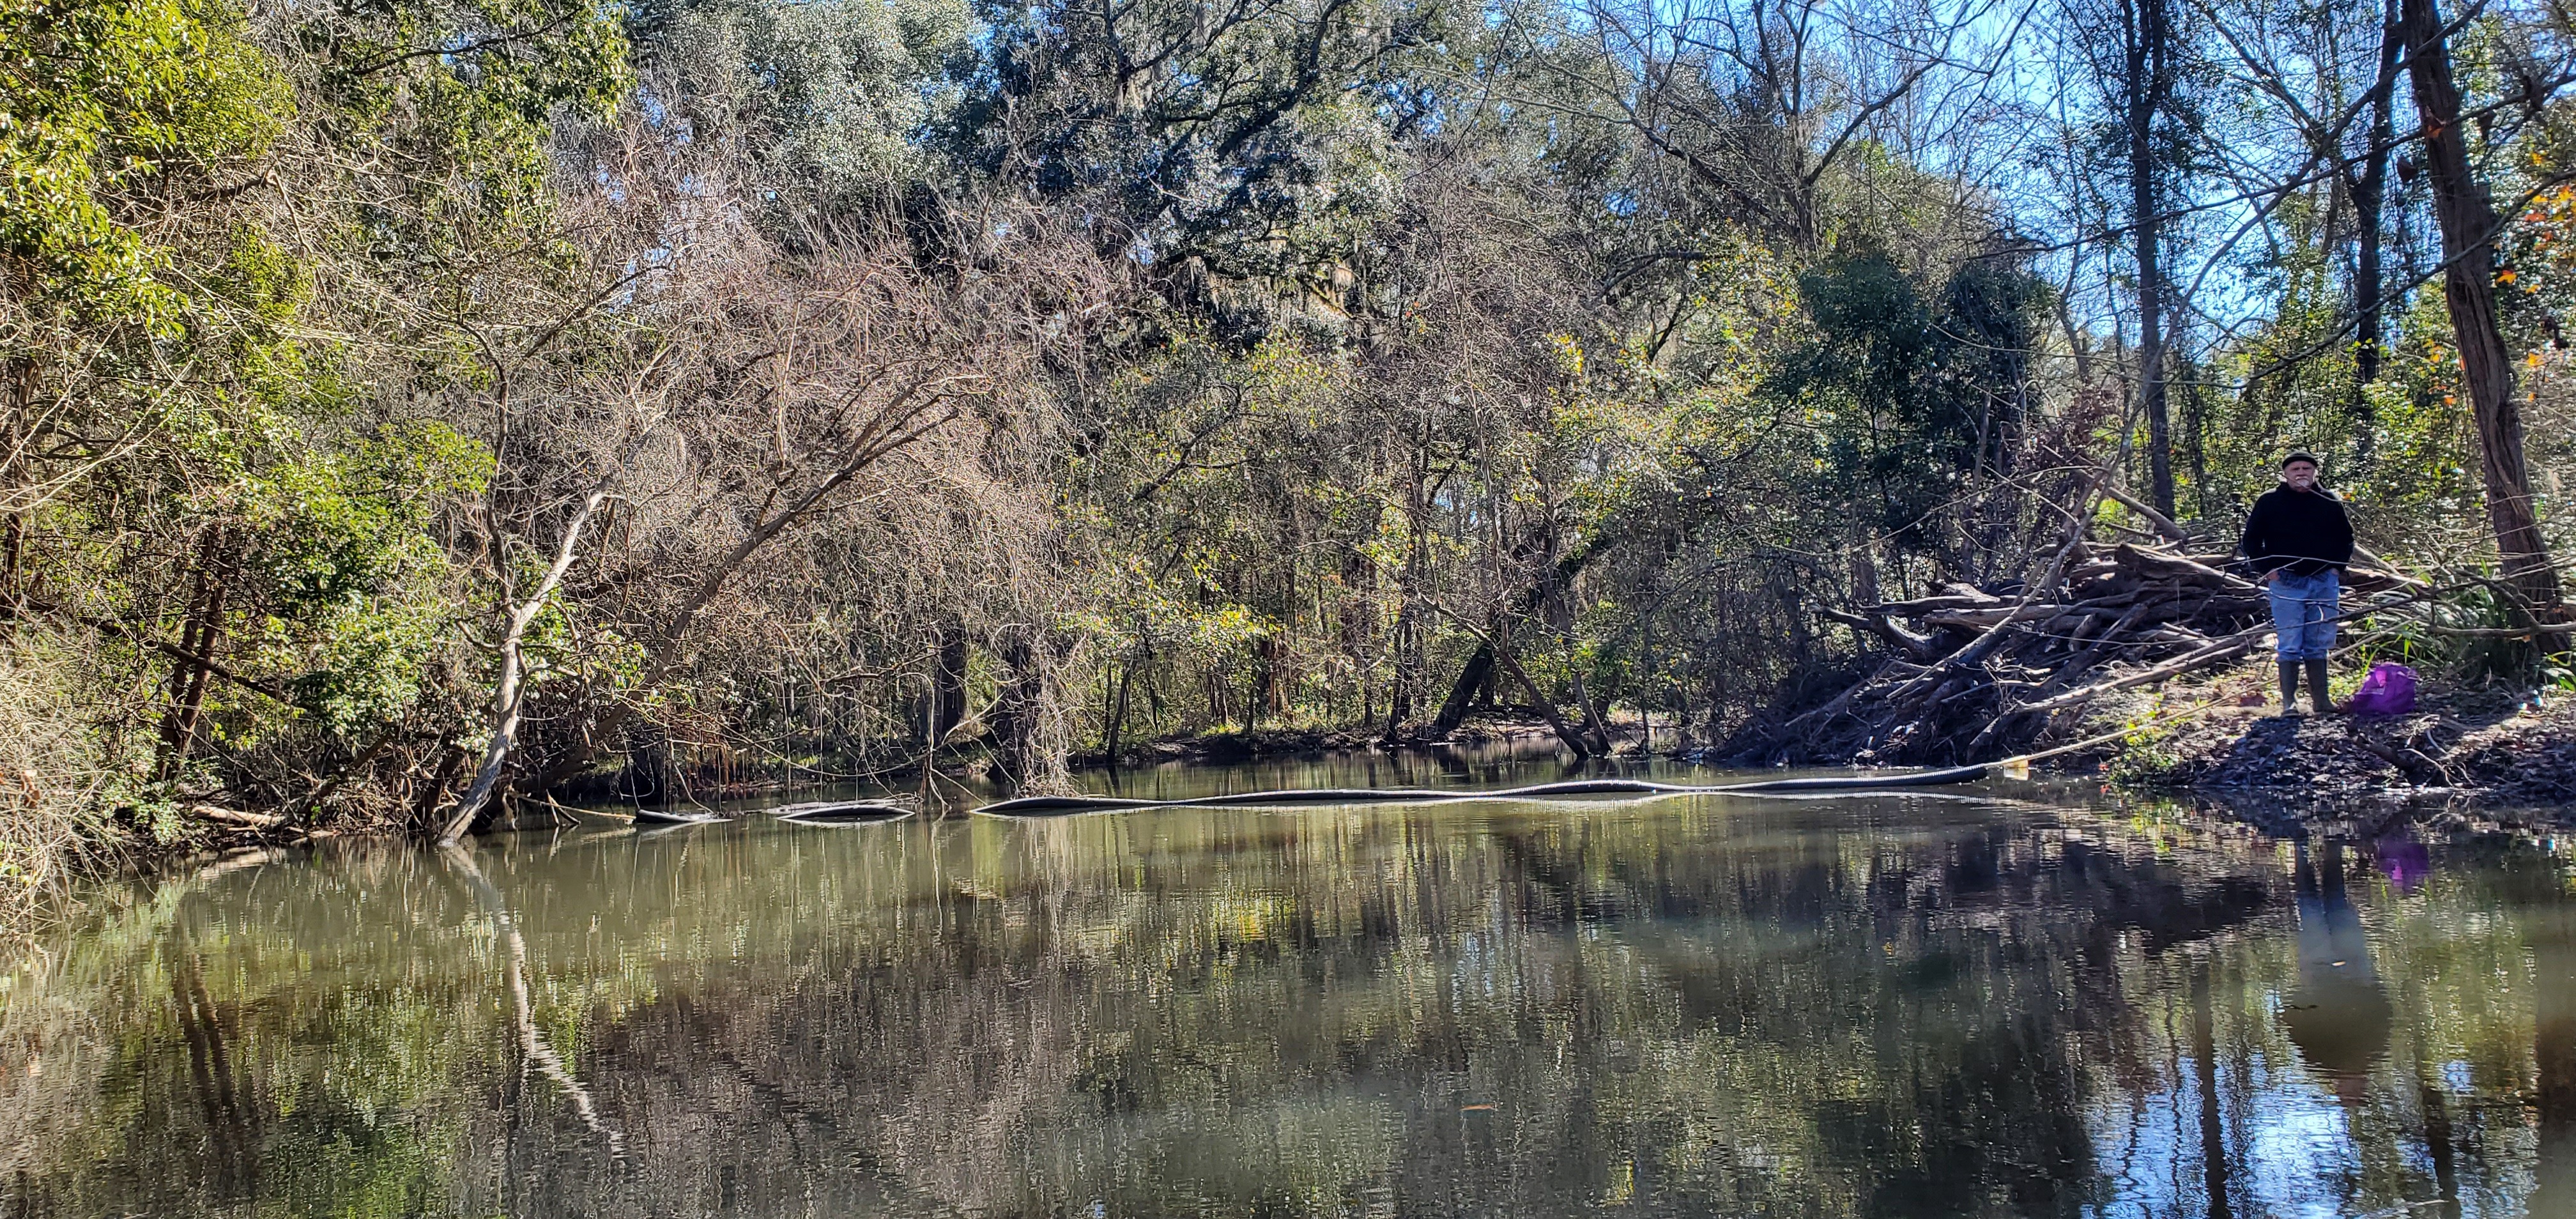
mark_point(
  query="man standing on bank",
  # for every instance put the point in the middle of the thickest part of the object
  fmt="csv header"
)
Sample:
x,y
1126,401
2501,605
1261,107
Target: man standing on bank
x,y
2300,539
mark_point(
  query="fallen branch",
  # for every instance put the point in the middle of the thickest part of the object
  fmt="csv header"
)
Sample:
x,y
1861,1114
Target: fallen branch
x,y
1547,707
2157,565
1916,647
235,817
2225,649
2163,524
268,690
508,689
2146,611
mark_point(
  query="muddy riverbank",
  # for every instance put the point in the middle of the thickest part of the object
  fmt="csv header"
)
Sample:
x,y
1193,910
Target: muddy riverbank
x,y
2493,748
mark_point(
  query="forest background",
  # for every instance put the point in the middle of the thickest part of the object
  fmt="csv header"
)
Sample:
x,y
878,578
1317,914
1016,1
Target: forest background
x,y
409,404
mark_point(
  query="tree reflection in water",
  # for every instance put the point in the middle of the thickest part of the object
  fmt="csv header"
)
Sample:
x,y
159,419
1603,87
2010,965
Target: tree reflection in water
x,y
1857,1007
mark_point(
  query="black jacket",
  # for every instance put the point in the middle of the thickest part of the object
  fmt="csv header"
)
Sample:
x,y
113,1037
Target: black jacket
x,y
2301,532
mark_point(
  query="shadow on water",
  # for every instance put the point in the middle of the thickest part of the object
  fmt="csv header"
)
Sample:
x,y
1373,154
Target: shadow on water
x,y
1890,1005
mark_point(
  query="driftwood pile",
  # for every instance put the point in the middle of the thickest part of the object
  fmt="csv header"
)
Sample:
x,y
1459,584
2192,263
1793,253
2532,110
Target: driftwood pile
x,y
1973,674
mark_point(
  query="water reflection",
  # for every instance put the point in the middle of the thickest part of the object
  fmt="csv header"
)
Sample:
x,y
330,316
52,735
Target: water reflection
x,y
2339,1015
1884,1006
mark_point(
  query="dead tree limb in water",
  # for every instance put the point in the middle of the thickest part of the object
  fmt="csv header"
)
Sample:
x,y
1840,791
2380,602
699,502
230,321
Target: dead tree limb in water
x,y
509,695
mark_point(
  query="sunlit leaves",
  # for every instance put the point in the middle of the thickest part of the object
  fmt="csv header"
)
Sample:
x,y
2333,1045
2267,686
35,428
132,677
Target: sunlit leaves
x,y
101,101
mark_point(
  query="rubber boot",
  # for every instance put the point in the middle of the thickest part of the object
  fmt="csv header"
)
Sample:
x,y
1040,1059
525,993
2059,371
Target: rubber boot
x,y
2289,687
2317,696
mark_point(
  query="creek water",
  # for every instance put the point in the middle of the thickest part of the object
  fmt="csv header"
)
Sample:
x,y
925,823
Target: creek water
x,y
2001,1001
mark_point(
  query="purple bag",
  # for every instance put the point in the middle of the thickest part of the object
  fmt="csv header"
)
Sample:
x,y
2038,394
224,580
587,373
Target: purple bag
x,y
2388,690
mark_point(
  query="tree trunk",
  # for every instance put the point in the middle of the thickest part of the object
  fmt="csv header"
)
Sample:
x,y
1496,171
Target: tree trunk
x,y
1269,681
1472,677
1595,726
1358,625
2150,79
196,639
947,682
1408,641
1546,706
1478,673
1501,651
13,442
1118,712
1028,731
508,695
2469,226
2369,200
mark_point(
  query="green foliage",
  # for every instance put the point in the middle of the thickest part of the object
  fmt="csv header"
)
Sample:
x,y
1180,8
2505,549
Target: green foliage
x,y
1207,480
828,99
350,571
2443,638
445,114
1908,399
226,239
344,523
1260,143
101,103
1367,331
2558,674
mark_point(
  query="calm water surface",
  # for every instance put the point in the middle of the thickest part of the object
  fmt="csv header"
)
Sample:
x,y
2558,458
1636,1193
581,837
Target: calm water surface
x,y
1864,1006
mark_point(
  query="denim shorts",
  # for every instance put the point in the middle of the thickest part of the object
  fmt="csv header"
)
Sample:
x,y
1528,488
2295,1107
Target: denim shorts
x,y
2303,613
